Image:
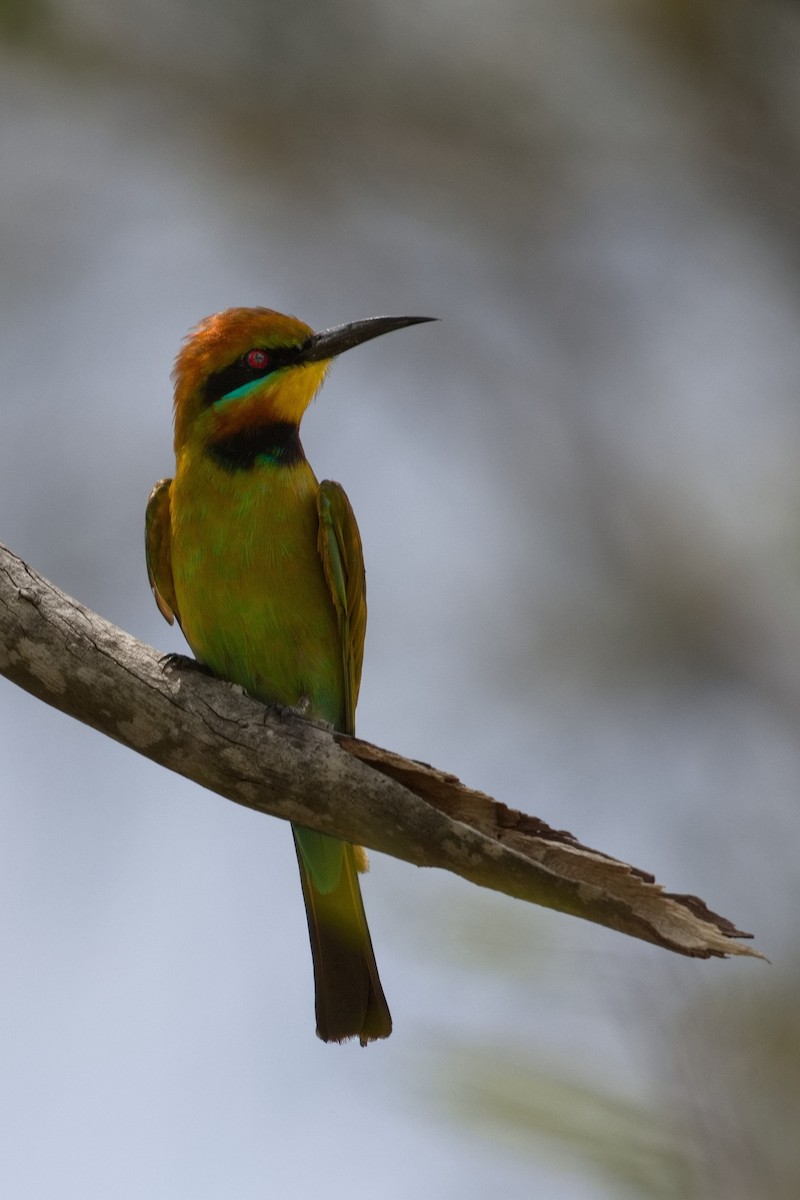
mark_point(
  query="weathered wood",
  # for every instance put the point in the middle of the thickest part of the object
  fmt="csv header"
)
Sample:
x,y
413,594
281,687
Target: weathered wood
x,y
274,761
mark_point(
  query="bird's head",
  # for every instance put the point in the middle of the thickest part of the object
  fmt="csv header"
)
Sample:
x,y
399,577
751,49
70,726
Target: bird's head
x,y
250,367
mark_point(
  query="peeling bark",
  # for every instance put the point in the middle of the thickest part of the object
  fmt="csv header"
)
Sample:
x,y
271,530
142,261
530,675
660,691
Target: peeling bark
x,y
273,761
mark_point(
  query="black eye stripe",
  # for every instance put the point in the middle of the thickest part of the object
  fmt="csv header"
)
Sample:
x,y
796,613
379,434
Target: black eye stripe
x,y
240,372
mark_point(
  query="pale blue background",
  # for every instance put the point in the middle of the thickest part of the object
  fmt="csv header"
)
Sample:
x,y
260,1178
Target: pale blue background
x,y
579,501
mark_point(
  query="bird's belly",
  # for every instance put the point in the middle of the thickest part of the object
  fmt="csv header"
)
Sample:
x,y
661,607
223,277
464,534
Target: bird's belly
x,y
251,591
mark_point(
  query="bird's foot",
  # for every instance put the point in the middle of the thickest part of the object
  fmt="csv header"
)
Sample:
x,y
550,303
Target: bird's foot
x,y
182,662
302,710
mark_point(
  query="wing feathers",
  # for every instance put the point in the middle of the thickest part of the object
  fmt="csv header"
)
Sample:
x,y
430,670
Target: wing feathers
x,y
339,546
158,547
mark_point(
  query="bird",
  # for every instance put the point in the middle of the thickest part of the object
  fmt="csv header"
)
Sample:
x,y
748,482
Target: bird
x,y
262,567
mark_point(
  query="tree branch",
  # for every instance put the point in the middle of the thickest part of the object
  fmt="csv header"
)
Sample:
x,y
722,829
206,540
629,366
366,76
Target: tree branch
x,y
275,762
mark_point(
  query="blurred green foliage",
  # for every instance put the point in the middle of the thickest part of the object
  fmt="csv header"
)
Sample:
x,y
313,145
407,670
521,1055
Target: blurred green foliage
x,y
713,1114
23,19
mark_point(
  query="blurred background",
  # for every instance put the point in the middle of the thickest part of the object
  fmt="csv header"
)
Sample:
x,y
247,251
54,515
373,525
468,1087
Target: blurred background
x,y
580,506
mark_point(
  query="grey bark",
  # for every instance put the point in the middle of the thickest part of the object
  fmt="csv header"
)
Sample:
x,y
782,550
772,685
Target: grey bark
x,y
275,762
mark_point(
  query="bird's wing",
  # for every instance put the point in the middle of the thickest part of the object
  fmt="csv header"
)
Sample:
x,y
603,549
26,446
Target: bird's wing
x,y
158,547
342,558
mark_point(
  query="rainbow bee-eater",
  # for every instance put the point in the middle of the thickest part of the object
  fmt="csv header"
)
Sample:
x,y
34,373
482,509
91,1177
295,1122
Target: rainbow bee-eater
x,y
262,567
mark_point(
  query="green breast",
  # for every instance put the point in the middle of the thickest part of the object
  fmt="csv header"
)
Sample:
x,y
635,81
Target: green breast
x,y
249,582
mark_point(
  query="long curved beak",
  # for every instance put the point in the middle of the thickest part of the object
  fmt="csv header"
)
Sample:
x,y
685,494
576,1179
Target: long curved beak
x,y
335,341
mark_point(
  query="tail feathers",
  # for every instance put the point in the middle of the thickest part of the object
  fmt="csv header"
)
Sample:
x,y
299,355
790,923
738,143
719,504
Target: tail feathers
x,y
349,997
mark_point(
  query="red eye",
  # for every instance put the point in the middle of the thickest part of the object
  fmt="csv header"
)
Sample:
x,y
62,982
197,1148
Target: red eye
x,y
257,359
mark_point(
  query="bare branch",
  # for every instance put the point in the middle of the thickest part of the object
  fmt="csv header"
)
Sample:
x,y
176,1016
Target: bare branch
x,y
273,761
